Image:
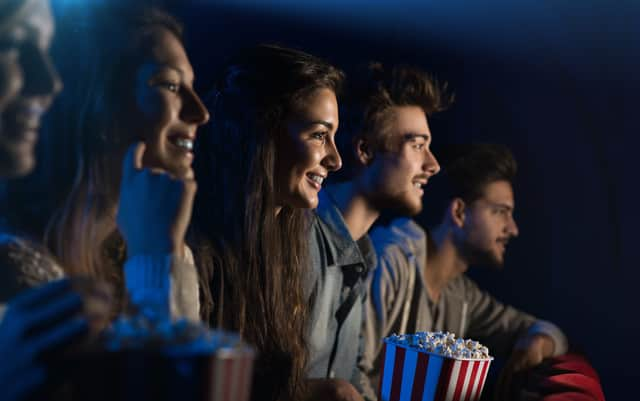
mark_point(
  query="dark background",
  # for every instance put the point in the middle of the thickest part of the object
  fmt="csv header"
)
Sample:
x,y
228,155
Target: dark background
x,y
556,81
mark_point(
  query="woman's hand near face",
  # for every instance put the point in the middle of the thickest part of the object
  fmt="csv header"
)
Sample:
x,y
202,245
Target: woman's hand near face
x,y
36,323
155,208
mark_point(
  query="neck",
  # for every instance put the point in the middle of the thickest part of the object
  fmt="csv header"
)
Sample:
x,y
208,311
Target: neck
x,y
444,262
358,213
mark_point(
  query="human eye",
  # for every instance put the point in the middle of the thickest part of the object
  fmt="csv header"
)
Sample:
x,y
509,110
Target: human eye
x,y
171,86
320,136
418,146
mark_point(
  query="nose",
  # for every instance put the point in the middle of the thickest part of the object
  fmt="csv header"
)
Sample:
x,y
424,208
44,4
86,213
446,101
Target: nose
x,y
41,77
512,227
193,110
430,165
332,160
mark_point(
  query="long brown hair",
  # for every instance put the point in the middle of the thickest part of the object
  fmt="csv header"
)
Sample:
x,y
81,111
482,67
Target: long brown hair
x,y
82,233
253,261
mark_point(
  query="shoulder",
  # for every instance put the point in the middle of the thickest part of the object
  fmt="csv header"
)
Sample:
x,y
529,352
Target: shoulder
x,y
462,287
24,265
402,236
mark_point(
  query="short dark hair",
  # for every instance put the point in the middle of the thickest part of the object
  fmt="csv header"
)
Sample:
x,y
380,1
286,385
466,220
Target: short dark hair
x,y
465,172
372,92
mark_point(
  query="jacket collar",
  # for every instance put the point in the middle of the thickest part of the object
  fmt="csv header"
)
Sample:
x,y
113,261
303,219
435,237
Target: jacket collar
x,y
345,250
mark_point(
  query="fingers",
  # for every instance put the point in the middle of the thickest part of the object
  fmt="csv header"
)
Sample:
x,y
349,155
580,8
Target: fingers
x,y
138,155
38,295
132,160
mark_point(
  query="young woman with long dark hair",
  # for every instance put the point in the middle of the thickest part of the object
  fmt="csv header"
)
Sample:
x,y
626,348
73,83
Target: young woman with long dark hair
x,y
259,168
134,89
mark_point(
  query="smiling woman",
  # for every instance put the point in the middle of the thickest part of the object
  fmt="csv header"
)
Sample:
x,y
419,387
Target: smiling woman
x,y
259,169
134,83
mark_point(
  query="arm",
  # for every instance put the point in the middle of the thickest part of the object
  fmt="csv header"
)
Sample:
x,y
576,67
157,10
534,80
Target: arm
x,y
153,214
501,327
164,285
390,287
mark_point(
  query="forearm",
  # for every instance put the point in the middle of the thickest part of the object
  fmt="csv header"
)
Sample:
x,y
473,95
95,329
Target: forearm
x,y
147,279
164,285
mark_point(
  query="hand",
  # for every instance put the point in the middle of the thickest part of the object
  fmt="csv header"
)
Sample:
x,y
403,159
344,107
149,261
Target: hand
x,y
332,390
529,351
36,323
154,209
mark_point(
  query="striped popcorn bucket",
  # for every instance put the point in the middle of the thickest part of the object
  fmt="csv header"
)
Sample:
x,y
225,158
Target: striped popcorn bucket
x,y
229,375
411,375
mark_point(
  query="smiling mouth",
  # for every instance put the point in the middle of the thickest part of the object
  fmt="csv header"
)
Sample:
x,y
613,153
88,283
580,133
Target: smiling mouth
x,y
184,143
315,180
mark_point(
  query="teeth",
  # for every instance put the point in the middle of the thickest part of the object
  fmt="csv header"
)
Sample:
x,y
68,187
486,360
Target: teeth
x,y
417,185
316,178
184,143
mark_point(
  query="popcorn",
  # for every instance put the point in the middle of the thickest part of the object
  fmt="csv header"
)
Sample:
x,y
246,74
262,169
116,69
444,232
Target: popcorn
x,y
433,366
442,343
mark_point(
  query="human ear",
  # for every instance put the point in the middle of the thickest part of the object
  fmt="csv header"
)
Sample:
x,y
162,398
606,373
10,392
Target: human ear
x,y
364,153
457,212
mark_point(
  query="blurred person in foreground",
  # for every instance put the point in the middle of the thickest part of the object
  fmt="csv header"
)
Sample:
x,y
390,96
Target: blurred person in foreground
x,y
36,322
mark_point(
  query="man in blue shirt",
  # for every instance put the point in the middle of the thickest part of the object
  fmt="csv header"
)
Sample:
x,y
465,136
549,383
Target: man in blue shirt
x,y
388,161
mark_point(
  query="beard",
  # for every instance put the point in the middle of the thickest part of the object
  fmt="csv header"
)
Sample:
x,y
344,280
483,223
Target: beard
x,y
396,205
476,256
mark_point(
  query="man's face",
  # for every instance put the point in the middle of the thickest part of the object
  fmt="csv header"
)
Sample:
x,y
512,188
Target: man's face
x,y
489,224
28,84
399,174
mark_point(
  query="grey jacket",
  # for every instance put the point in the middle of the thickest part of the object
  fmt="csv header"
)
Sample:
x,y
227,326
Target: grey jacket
x,y
337,289
399,301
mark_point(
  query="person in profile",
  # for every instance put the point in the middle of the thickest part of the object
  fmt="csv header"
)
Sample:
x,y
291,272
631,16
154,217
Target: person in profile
x,y
275,120
420,282
386,147
41,312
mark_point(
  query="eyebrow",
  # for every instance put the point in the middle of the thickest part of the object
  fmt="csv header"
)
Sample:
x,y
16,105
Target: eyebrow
x,y
320,122
180,71
411,136
502,206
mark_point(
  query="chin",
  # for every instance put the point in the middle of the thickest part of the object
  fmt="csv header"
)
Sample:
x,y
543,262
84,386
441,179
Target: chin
x,y
409,208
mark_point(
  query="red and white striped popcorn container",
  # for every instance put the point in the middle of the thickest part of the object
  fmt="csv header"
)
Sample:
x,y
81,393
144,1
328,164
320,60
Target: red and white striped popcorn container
x,y
230,375
411,374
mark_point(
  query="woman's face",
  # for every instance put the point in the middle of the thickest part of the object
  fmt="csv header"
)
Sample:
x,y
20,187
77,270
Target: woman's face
x,y
28,84
307,152
167,111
